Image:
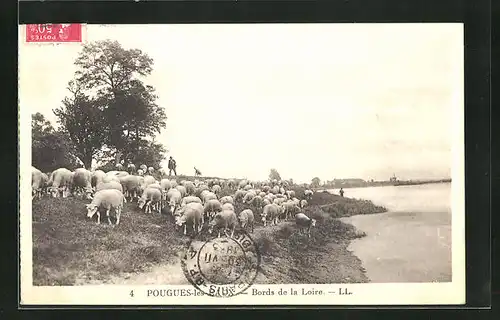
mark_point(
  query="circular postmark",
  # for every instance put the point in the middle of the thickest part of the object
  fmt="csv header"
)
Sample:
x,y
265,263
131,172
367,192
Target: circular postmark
x,y
222,266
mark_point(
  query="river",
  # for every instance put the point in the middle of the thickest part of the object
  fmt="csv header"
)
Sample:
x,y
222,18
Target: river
x,y
412,241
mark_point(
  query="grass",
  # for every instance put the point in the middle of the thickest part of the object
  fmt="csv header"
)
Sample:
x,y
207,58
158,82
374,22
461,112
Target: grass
x,y
70,249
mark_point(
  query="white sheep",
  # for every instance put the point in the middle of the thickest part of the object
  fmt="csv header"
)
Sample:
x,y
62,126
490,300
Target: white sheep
x,y
226,220
191,214
151,197
108,199
246,218
304,222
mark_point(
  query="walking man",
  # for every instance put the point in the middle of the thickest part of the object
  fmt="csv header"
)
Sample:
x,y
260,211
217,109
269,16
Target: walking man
x,y
171,166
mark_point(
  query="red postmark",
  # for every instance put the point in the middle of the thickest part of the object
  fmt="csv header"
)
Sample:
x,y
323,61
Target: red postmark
x,y
51,32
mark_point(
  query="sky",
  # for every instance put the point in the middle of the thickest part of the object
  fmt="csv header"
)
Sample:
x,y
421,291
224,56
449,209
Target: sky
x,y
311,100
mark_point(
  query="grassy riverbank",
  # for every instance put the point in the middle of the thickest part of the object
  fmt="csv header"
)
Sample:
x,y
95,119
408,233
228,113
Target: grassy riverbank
x,y
68,249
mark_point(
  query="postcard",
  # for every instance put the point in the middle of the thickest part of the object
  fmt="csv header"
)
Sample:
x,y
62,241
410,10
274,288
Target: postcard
x,y
242,164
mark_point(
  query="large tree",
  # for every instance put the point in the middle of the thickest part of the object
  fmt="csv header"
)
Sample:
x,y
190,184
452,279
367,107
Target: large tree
x,y
274,175
82,120
315,182
122,108
50,149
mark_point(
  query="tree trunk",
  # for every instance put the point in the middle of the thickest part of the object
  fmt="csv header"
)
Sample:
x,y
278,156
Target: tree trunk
x,y
87,161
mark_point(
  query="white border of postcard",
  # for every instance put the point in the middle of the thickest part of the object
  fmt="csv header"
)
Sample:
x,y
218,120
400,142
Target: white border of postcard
x,y
362,294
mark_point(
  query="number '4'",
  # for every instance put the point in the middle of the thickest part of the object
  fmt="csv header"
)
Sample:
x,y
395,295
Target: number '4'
x,y
132,293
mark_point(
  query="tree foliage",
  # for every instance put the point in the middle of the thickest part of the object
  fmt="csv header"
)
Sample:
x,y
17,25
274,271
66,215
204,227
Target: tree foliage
x,y
315,182
50,149
110,109
274,175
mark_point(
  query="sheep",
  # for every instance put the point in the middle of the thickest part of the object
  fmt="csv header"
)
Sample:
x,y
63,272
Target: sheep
x,y
190,199
266,202
60,181
173,183
190,188
208,196
140,172
82,181
303,221
211,207
108,199
216,189
308,194
227,206
257,202
112,185
271,212
174,199
247,187
238,195
246,219
110,177
303,203
290,194
37,183
131,168
97,177
150,197
131,185
248,196
226,219
191,214
144,168
289,209
227,199
279,201
119,166
242,184
182,190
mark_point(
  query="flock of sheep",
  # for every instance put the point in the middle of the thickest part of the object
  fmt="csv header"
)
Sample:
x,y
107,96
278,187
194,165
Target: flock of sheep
x,y
197,204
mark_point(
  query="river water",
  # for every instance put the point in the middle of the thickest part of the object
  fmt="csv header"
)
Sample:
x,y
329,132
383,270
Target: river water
x,y
412,241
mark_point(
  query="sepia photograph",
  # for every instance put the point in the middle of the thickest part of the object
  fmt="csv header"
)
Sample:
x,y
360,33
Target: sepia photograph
x,y
246,164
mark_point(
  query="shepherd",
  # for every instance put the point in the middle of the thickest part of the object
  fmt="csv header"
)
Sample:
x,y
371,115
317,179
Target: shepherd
x,y
171,166
341,192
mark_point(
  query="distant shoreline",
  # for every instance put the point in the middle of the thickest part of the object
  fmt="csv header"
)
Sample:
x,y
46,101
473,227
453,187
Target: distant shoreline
x,y
382,184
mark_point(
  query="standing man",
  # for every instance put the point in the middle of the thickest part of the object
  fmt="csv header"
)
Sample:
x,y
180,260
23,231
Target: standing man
x,y
171,166
341,192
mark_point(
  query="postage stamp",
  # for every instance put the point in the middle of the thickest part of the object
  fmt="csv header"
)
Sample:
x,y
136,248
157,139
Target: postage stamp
x,y
54,33
222,266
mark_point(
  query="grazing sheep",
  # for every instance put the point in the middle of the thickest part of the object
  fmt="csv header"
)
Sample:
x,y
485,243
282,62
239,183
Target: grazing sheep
x,y
208,196
304,222
97,177
227,199
108,199
131,185
174,198
82,182
216,189
182,190
248,197
110,177
290,194
271,212
308,194
151,197
246,219
112,185
227,206
290,209
257,202
190,199
266,202
151,170
238,195
140,172
279,201
60,182
211,207
37,183
303,203
226,220
131,168
191,214
144,168
190,188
